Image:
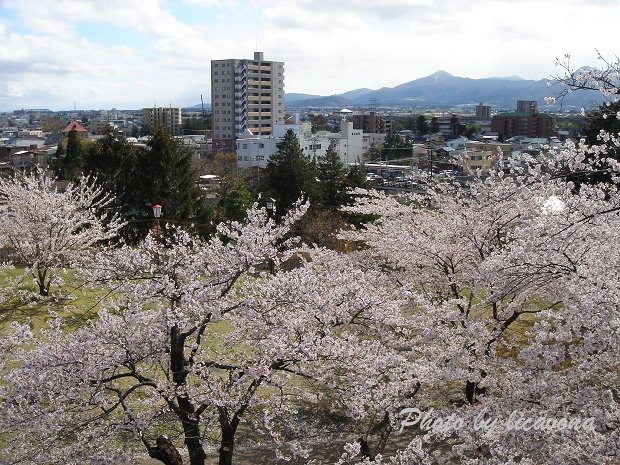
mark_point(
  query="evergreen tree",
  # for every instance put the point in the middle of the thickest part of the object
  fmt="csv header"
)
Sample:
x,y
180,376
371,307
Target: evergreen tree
x,y
290,174
395,147
234,192
332,180
68,160
356,176
421,125
166,176
236,199
112,162
140,177
74,149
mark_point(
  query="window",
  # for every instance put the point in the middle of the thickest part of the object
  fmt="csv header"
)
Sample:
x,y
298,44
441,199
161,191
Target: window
x,y
261,146
245,146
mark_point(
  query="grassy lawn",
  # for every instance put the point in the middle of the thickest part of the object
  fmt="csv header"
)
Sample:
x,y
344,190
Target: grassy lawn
x,y
73,301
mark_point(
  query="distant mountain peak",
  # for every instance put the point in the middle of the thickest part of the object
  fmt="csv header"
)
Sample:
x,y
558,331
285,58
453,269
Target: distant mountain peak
x,y
441,73
444,90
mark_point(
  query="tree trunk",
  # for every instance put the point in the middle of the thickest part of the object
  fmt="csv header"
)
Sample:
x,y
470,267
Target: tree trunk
x,y
165,452
186,412
472,390
226,446
44,288
193,443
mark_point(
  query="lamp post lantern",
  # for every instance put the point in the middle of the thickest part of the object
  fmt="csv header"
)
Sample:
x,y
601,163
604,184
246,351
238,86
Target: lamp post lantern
x,y
157,214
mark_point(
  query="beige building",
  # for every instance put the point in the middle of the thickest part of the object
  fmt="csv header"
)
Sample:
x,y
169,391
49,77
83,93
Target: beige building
x,y
483,111
482,156
245,95
169,118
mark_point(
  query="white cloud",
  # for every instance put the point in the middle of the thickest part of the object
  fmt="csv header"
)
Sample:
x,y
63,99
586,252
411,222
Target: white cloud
x,y
53,52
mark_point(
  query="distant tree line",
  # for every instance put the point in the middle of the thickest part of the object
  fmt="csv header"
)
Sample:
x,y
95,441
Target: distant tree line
x,y
162,171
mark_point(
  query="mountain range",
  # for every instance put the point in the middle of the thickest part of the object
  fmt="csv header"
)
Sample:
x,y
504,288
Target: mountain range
x,y
443,90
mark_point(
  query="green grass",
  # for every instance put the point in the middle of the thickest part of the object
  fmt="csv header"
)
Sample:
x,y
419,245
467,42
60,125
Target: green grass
x,y
75,302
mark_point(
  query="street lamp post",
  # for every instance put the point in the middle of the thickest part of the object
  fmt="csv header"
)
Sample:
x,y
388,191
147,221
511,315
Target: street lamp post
x,y
157,214
271,205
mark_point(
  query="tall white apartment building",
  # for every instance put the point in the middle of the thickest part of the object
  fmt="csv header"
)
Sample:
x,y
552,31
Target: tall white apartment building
x,y
245,95
169,118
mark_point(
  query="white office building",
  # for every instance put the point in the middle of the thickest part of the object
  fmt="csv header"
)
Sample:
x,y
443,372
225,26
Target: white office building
x,y
255,150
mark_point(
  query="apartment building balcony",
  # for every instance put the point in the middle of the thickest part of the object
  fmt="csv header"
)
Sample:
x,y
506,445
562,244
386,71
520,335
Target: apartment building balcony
x,y
262,107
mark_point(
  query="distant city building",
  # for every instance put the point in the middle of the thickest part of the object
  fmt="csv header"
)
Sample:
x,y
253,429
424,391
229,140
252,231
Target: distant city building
x,y
255,151
371,123
166,117
245,95
483,111
527,106
526,122
81,131
20,158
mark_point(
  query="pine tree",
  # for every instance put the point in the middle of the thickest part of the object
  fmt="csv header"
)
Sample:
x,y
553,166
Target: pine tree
x,y
290,173
112,162
332,180
421,125
68,161
139,177
166,176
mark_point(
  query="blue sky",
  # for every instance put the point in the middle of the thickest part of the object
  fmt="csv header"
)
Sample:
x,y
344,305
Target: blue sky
x,y
129,54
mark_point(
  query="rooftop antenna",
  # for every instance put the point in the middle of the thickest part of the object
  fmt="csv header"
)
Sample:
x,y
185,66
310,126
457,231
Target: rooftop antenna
x,y
202,104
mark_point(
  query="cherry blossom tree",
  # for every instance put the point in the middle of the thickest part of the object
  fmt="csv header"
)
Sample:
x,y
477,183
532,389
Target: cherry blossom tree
x,y
514,286
604,79
49,228
202,338
495,303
